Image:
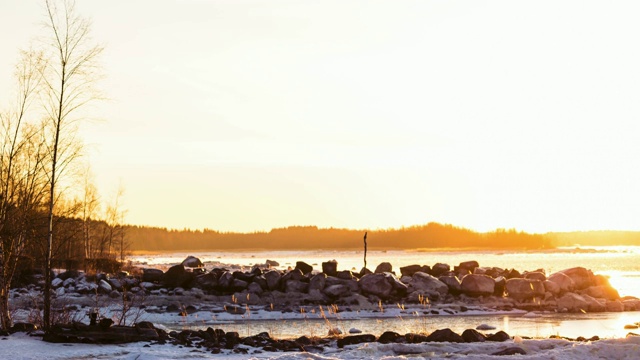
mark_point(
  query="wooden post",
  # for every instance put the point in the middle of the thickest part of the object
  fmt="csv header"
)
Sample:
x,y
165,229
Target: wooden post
x,y
365,249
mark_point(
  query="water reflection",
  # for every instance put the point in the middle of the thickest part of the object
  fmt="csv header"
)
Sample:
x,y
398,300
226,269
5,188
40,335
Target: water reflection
x,y
604,325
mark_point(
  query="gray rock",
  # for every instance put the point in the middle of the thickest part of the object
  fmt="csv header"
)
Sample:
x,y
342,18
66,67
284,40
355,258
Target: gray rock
x,y
69,282
338,290
477,285
192,262
384,267
582,277
56,283
376,284
318,282
104,287
254,288
410,270
564,282
524,289
427,284
439,269
330,267
304,267
296,286
273,279
453,283
152,275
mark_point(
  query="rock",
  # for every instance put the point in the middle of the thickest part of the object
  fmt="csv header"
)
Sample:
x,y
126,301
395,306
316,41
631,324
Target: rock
x,y
206,281
273,279
524,289
500,336
614,306
334,332
152,275
346,275
512,274
104,287
225,280
602,292
296,286
564,282
389,337
69,282
376,284
355,339
295,274
469,266
383,268
412,338
56,283
572,302
192,262
60,291
237,284
453,283
330,267
510,351
485,327
445,335
594,305
439,269
355,331
272,263
427,284
318,282
304,267
115,283
582,277
551,287
471,335
477,285
364,271
177,276
410,270
535,275
114,294
500,286
337,291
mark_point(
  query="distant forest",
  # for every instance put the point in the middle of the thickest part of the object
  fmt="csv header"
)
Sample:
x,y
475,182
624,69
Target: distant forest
x,y
429,236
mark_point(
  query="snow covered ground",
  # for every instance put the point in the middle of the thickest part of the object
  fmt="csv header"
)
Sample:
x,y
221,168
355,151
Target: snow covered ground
x,y
22,346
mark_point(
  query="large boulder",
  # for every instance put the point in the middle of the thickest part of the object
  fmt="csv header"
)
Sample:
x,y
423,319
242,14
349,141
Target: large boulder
x,y
572,302
304,267
468,266
206,281
177,276
564,282
426,284
296,286
477,285
330,267
337,290
535,275
551,287
524,289
273,278
583,278
602,292
192,262
453,283
439,269
376,284
152,275
318,282
384,267
409,270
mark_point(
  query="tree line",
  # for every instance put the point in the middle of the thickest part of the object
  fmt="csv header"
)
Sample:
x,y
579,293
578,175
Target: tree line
x,y
428,236
50,211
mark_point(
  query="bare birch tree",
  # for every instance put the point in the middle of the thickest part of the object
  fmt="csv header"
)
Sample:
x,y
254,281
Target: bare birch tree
x,y
21,185
69,81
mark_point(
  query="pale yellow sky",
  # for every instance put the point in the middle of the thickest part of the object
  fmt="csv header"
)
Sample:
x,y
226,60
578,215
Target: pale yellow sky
x,y
250,115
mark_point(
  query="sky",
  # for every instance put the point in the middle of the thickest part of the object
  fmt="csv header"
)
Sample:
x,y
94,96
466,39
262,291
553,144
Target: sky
x,y
251,115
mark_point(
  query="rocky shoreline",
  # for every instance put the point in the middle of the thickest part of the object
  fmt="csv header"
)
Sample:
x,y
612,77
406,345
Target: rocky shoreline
x,y
190,287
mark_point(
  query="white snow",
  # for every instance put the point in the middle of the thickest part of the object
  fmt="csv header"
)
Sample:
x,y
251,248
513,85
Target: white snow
x,y
21,346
